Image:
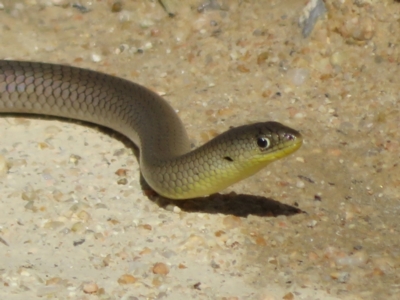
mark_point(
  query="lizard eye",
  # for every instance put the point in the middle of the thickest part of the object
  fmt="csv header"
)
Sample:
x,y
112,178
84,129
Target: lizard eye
x,y
263,142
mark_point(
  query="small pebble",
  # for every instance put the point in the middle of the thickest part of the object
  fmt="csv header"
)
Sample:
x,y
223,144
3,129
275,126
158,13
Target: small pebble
x,y
78,227
121,172
127,279
177,209
157,281
84,215
96,58
288,296
262,57
116,7
31,206
74,159
3,241
29,196
310,14
300,184
42,146
122,181
146,226
243,69
53,224
78,242
312,223
53,281
90,288
160,268
145,251
232,222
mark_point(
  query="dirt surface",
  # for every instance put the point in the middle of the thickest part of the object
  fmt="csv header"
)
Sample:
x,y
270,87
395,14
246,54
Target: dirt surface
x,y
320,224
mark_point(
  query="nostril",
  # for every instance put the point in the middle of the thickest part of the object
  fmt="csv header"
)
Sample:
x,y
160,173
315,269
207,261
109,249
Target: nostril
x,y
289,136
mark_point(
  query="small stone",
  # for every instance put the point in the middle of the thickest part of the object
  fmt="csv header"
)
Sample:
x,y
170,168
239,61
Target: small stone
x,y
113,221
107,260
219,233
232,222
160,268
145,251
53,224
100,205
262,57
53,281
78,242
78,227
157,281
260,241
90,288
363,30
84,215
243,69
312,223
116,7
313,11
146,226
288,296
272,261
42,146
182,266
127,279
177,209
74,159
31,206
122,181
29,196
300,184
63,3
223,112
121,172
96,57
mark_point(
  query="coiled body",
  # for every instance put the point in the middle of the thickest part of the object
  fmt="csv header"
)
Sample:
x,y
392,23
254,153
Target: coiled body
x,y
166,162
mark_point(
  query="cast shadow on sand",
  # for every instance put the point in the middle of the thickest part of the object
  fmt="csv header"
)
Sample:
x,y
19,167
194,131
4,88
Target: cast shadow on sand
x,y
240,205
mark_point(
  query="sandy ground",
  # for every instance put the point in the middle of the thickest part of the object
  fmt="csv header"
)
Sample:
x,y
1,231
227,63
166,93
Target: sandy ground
x,y
320,224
